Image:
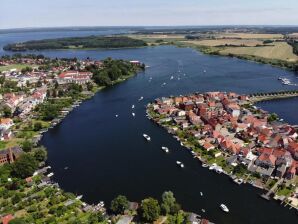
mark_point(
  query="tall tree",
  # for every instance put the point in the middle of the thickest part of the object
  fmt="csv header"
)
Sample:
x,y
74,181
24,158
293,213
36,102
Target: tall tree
x,y
119,204
150,209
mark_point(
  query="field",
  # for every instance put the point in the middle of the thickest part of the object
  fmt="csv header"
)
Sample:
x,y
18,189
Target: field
x,y
222,42
250,35
280,50
157,38
14,66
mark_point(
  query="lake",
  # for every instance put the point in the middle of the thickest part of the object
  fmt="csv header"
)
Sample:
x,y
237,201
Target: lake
x,y
108,156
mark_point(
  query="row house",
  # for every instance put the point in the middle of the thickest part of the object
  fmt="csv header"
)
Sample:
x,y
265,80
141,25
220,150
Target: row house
x,y
74,77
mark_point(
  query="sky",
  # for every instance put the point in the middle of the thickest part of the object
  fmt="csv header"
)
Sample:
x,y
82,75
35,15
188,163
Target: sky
x,y
61,13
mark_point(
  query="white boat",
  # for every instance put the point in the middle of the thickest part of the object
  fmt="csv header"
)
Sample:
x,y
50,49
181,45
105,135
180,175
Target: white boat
x,y
166,149
133,106
238,181
205,71
164,84
79,197
141,98
181,144
50,175
172,77
116,115
203,210
204,165
178,162
147,137
182,165
66,168
224,208
201,193
133,114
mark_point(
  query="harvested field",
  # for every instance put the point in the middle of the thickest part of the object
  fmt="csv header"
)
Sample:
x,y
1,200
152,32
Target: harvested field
x,y
222,42
280,50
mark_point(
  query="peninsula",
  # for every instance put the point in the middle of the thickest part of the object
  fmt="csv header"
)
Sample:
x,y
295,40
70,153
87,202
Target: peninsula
x,y
92,42
232,136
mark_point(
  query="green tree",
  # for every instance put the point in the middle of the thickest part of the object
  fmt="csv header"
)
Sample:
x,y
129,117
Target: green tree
x,y
25,166
40,154
6,112
27,145
169,205
17,221
119,204
150,209
37,126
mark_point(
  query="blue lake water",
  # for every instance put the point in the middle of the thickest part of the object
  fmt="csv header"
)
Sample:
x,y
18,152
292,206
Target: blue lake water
x,y
108,156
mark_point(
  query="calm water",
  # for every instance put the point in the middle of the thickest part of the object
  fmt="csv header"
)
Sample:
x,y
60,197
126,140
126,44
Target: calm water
x,y
108,156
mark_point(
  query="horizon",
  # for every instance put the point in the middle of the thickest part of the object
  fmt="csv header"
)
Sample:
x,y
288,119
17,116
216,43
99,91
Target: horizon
x,y
133,13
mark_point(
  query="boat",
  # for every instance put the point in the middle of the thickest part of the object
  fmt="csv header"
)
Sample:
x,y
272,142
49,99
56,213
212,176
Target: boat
x,y
141,98
116,115
166,149
79,197
147,137
66,168
133,114
203,210
164,84
224,208
133,106
204,165
201,193
172,77
238,181
50,175
205,71
180,164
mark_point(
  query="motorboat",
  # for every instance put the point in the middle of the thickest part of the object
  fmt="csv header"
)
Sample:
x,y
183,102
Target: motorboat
x,y
147,137
203,210
238,181
201,193
166,149
50,175
133,106
133,114
172,77
224,208
116,115
79,197
141,98
180,164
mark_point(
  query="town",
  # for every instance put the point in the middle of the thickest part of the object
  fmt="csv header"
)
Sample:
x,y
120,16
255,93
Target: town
x,y
36,94
230,135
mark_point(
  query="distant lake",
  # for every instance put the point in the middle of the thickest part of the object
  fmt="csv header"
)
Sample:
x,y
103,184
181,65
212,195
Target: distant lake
x,y
108,156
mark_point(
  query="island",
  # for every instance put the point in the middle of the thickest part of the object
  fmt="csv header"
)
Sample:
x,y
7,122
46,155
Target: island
x,y
89,42
230,135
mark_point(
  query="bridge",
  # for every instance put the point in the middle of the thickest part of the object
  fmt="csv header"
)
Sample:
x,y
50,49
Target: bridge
x,y
257,97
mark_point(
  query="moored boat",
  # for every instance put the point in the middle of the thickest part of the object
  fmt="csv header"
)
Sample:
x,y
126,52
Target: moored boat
x,y
166,149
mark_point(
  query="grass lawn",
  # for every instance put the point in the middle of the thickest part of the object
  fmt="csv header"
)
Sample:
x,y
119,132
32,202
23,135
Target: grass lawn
x,y
284,191
14,66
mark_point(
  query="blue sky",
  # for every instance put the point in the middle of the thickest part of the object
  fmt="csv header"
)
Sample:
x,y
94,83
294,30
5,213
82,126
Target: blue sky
x,y
52,13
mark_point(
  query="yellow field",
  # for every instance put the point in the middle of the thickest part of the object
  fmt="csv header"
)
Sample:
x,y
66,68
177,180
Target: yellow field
x,y
250,35
220,42
280,50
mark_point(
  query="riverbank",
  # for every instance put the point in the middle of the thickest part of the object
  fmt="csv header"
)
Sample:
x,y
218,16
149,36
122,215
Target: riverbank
x,y
222,148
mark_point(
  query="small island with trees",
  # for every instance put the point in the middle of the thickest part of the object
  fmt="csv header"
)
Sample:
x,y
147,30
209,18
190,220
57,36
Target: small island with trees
x,y
104,42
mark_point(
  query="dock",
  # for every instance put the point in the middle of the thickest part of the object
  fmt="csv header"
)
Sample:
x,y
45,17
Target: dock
x,y
272,190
